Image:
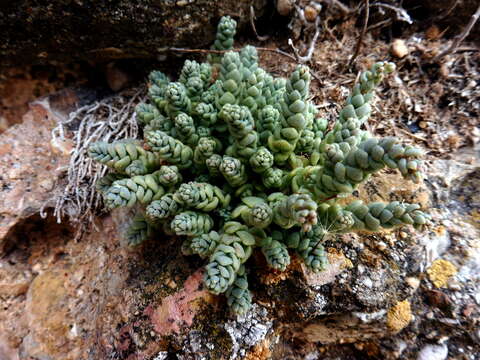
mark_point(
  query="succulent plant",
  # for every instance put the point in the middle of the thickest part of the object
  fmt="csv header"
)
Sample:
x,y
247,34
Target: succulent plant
x,y
244,162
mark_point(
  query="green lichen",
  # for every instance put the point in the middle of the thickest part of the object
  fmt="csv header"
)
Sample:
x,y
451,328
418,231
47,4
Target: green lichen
x,y
244,162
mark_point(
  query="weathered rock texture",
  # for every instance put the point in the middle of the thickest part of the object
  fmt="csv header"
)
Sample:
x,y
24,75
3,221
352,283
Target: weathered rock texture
x,y
30,168
69,30
98,299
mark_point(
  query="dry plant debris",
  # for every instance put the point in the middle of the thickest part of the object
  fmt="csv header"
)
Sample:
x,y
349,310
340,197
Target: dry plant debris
x,y
111,118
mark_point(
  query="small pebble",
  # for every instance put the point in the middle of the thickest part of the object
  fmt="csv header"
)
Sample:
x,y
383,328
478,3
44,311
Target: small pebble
x,y
117,79
455,286
368,282
403,234
171,284
359,346
284,7
399,48
360,269
310,13
433,33
37,267
381,246
413,282
423,124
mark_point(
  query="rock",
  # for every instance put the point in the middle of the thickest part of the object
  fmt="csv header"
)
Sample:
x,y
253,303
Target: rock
x,y
117,79
49,320
285,7
413,282
340,329
260,351
14,281
6,352
399,48
375,287
22,85
69,31
30,168
439,299
179,309
64,309
450,15
337,263
248,330
433,352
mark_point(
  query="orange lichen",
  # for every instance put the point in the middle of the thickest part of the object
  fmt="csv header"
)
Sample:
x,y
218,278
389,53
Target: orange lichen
x,y
399,316
260,351
270,276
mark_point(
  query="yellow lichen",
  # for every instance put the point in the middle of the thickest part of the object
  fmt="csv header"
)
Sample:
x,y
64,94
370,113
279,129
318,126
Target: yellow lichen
x,y
399,316
475,214
440,272
337,256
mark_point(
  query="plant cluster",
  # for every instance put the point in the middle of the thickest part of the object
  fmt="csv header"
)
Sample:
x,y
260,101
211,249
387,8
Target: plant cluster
x,y
234,158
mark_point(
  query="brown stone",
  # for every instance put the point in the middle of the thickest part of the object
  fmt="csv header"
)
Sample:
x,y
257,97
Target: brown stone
x,y
48,318
340,329
29,167
117,79
179,309
70,31
439,299
14,281
285,7
399,48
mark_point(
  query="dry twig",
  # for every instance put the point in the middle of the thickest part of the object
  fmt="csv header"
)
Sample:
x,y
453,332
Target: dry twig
x,y
109,119
456,42
311,48
341,6
252,22
207,51
401,13
362,34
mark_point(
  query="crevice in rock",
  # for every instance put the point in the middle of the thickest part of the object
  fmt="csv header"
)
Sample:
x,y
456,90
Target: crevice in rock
x,y
36,239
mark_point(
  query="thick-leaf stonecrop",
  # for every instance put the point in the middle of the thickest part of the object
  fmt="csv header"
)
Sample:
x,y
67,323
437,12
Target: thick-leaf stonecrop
x,y
242,161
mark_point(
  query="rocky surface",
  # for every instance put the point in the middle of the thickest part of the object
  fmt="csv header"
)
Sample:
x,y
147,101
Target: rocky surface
x,y
392,295
67,30
99,299
30,167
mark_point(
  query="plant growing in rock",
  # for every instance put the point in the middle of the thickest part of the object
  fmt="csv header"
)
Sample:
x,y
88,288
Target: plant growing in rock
x,y
241,161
